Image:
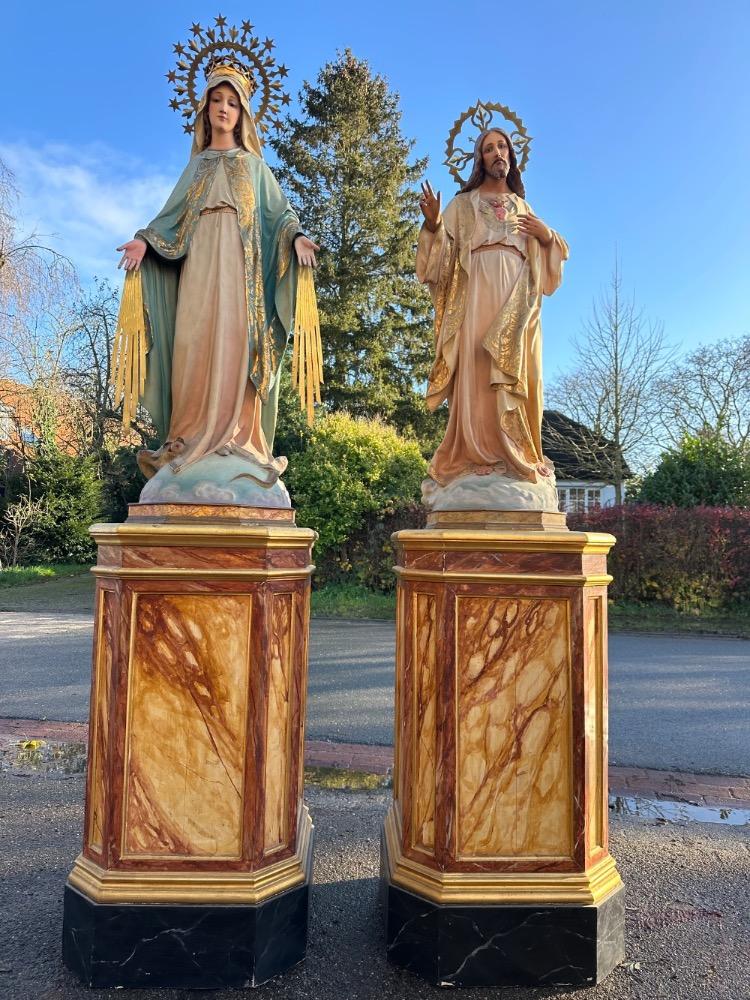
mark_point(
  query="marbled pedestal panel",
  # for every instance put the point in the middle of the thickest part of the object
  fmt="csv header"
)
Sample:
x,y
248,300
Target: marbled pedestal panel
x,y
499,818
194,816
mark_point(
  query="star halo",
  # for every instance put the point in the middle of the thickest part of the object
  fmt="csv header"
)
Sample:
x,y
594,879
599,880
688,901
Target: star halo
x,y
239,47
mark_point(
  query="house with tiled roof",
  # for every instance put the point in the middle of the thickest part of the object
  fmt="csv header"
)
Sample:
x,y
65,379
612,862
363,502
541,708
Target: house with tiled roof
x,y
582,459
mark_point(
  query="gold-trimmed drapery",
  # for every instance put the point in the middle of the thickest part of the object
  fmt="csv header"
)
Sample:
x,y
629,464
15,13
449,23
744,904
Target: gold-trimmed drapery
x,y
512,390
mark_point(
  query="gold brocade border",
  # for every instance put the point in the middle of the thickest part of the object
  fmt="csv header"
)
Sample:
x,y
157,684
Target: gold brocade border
x,y
249,888
498,888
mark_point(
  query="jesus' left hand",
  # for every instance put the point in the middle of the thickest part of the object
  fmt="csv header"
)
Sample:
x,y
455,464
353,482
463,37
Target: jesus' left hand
x,y
532,225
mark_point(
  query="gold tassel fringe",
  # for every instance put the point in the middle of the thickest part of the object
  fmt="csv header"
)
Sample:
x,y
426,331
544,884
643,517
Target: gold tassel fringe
x,y
307,358
128,374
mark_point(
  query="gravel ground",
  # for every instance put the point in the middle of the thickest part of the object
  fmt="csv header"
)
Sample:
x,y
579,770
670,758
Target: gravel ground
x,y
688,906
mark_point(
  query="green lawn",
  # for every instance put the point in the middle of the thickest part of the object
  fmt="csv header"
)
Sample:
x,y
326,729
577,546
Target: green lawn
x,y
345,600
657,618
71,588
21,576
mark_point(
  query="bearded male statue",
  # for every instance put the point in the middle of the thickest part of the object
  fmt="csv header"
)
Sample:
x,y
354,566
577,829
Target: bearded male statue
x,y
487,260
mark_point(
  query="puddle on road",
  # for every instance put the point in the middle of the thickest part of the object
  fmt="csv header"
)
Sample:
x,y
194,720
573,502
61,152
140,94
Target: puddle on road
x,y
676,812
30,757
53,759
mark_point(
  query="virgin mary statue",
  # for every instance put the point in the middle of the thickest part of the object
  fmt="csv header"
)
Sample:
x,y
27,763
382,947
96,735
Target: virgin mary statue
x,y
218,269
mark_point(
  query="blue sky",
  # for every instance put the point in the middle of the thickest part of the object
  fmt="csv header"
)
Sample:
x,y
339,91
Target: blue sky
x,y
639,116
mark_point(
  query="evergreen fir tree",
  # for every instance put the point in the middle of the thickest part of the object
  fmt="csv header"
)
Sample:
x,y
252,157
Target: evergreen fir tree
x,y
345,166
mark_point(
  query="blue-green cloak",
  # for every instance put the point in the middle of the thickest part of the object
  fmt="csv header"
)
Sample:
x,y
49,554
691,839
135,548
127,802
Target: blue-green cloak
x,y
267,227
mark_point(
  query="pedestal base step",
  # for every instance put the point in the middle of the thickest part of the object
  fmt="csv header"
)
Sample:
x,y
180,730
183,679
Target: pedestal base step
x,y
486,945
184,946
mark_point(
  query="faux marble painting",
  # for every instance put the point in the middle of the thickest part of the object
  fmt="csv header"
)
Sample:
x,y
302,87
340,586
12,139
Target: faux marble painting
x,y
278,724
513,774
186,723
424,658
99,724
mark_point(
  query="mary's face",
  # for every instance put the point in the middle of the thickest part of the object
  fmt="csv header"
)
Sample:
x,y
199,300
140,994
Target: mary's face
x,y
223,108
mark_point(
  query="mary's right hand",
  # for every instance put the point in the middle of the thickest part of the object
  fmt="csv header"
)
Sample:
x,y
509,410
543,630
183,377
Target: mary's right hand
x,y
133,253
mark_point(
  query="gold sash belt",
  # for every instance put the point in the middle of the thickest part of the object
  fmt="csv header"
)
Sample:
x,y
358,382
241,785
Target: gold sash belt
x,y
219,208
498,246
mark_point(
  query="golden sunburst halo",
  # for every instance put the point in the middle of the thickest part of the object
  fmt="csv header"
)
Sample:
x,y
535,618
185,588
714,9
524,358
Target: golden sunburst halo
x,y
244,50
481,116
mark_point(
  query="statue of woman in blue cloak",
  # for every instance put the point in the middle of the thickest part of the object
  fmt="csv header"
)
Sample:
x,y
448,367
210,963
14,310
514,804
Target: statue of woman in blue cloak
x,y
218,268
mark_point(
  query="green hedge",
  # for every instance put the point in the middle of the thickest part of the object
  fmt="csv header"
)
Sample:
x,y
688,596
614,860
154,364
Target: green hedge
x,y
351,474
685,558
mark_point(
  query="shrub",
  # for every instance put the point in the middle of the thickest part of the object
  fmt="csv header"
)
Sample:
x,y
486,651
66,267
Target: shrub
x,y
122,482
352,470
370,553
71,491
704,471
688,558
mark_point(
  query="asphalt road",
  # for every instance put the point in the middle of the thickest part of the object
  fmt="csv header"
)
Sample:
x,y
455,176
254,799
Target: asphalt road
x,y
675,702
688,915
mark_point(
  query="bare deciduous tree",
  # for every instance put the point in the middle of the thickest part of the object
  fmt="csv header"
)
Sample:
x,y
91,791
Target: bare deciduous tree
x,y
621,358
709,389
37,287
17,519
85,374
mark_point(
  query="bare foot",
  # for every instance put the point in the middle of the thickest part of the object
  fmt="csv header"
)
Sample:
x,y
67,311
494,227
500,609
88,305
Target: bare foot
x,y
149,462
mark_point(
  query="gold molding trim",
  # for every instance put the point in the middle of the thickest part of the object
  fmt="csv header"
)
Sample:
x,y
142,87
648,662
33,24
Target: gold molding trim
x,y
249,888
575,580
167,573
497,540
205,535
498,888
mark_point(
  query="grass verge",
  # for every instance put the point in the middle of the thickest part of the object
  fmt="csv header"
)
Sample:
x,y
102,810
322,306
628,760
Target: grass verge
x,y
631,617
341,777
346,600
21,576
350,601
70,588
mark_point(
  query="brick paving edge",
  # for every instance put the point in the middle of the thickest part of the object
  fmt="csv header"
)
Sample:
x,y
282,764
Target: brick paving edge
x,y
700,789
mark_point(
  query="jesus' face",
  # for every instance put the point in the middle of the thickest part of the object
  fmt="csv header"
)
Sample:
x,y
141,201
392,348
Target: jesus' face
x,y
223,108
496,155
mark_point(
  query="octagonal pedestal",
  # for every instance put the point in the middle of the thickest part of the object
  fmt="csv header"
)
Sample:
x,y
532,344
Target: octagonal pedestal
x,y
496,869
197,855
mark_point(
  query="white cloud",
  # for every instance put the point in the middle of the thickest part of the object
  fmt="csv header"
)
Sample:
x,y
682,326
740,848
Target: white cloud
x,y
88,199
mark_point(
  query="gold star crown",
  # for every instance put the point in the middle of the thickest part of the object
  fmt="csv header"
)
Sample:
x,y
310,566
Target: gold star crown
x,y
483,116
246,81
237,48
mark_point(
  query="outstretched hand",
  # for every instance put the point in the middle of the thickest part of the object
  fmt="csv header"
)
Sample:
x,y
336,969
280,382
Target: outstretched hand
x,y
429,203
306,251
133,253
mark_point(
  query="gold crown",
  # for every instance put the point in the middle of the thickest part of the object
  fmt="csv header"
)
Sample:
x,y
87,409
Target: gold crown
x,y
237,49
232,67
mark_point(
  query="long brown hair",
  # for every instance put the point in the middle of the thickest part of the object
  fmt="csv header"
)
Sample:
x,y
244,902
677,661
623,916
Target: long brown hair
x,y
478,172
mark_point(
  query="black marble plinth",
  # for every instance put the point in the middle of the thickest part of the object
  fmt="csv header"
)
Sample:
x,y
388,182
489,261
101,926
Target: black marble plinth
x,y
486,945
187,947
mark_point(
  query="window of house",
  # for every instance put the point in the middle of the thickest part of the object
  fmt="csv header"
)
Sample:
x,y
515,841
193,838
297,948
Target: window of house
x,y
579,499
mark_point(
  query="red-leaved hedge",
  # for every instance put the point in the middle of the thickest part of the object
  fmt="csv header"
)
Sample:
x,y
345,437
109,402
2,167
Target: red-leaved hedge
x,y
688,558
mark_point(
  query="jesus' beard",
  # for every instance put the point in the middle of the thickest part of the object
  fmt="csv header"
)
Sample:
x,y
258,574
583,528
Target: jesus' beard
x,y
498,170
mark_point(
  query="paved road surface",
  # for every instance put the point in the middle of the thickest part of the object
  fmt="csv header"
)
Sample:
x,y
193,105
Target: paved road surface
x,y
680,703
